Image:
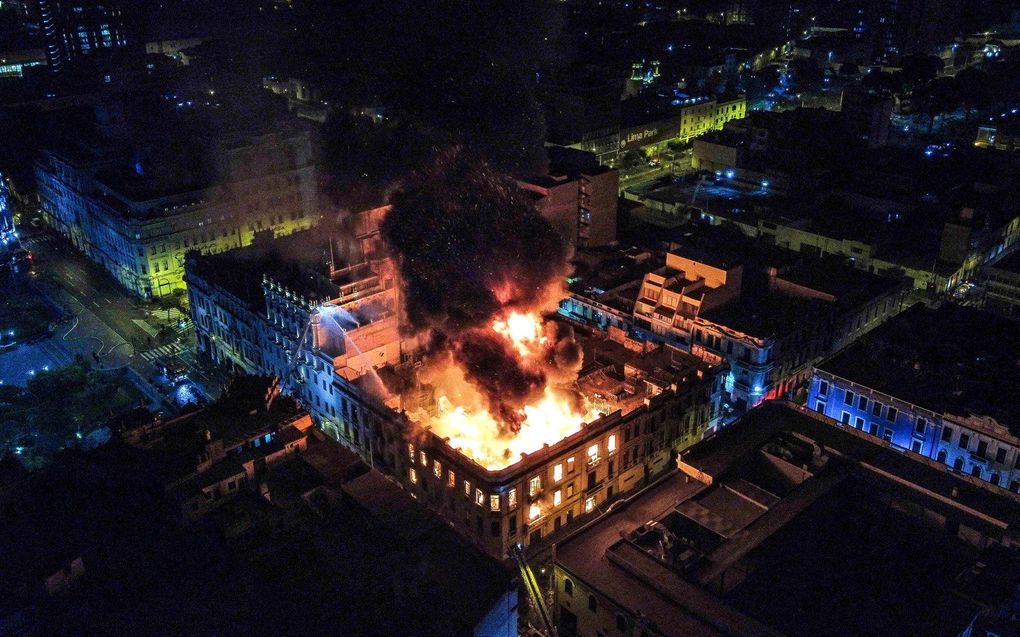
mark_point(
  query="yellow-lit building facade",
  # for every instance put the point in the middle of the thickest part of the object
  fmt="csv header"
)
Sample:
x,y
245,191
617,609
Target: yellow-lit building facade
x,y
139,230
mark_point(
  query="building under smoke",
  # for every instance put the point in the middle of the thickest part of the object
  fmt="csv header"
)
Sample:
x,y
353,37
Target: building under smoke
x,y
325,310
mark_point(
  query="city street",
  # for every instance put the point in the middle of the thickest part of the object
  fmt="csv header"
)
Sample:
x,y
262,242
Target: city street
x,y
108,322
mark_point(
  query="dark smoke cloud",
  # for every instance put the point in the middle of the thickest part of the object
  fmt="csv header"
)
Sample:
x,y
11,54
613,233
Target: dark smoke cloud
x,y
471,246
492,365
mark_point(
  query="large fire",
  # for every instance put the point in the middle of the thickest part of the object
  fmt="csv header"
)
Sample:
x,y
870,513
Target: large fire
x,y
467,421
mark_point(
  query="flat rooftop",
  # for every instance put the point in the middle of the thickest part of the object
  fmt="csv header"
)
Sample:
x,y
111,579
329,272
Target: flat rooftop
x,y
772,492
952,359
765,315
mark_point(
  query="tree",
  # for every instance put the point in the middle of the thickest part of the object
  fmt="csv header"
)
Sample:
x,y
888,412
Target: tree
x,y
936,98
973,86
849,69
920,69
881,81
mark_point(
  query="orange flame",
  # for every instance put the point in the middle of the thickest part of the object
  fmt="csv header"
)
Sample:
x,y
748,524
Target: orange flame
x,y
465,421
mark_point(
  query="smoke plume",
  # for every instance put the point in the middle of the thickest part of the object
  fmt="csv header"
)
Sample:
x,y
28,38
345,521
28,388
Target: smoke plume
x,y
472,249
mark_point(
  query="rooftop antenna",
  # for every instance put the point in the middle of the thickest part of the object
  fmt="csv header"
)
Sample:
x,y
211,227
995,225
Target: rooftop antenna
x,y
332,262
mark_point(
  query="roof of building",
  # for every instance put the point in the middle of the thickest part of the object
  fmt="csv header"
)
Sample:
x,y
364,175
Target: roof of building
x,y
775,483
846,284
766,315
298,261
951,359
456,576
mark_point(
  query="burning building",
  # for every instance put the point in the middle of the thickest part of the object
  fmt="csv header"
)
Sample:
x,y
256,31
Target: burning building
x,y
424,336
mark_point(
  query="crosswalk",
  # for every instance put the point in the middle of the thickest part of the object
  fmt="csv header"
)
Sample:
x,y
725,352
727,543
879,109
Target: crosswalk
x,y
161,352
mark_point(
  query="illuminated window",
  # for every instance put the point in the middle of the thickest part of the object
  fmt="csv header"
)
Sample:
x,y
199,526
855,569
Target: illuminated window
x,y
570,465
451,479
593,453
534,512
494,502
589,504
479,497
557,498
410,450
424,458
534,486
437,469
414,476
611,445
558,473
467,488
511,499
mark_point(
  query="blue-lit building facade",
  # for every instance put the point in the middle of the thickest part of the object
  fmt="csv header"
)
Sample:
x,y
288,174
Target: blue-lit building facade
x,y
973,445
941,412
76,30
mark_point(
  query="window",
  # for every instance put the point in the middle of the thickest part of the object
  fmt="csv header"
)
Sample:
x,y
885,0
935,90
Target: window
x,y
845,418
942,456
494,502
887,435
570,490
593,453
994,479
534,512
593,604
467,488
557,473
414,475
437,469
557,498
820,407
1000,455
862,403
920,425
611,445
534,486
859,423
410,451
982,449
451,479
975,471
876,408
964,441
479,497
570,465
568,587
589,504
511,499
823,388
947,433
890,414
848,397
916,445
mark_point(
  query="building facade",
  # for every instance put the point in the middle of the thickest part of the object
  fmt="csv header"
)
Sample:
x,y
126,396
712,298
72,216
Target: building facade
x,y
915,384
76,30
139,230
768,344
